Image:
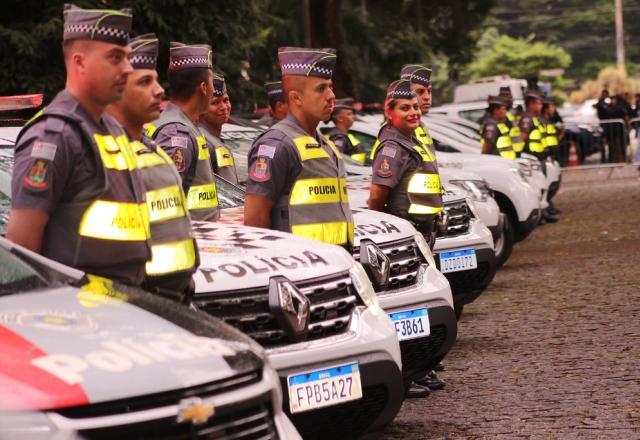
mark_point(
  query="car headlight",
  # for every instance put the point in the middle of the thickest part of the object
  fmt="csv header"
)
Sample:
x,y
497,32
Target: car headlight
x,y
363,287
425,249
472,207
478,189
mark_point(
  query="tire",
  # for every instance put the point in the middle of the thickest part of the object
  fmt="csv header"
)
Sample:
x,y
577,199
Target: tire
x,y
504,244
458,308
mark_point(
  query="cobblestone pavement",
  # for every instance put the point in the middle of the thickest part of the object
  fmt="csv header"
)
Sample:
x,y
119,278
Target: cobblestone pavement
x,y
552,348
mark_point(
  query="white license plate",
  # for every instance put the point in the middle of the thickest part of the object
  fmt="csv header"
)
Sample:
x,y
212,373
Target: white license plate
x,y
411,324
317,389
458,260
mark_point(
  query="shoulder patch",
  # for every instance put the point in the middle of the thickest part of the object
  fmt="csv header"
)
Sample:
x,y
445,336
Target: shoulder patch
x,y
179,141
260,171
389,152
43,150
37,178
384,170
266,151
178,160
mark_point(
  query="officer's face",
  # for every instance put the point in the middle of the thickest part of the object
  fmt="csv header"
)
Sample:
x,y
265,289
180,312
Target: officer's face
x,y
105,69
405,116
142,97
346,118
535,106
500,113
424,96
317,98
219,110
206,93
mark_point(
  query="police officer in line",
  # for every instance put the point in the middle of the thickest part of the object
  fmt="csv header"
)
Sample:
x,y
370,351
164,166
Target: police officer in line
x,y
77,195
405,180
343,117
174,254
297,180
211,127
532,132
191,87
278,106
512,120
419,75
552,138
496,138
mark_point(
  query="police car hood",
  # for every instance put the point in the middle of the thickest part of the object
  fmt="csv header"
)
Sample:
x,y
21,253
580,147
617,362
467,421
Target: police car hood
x,y
237,257
68,347
462,160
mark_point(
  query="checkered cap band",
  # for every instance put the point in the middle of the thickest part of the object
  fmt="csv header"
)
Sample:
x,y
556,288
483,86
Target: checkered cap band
x,y
143,61
219,85
400,89
416,73
298,61
110,26
189,62
144,51
183,56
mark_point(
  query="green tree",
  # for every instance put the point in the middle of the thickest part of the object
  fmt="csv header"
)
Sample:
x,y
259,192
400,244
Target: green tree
x,y
519,57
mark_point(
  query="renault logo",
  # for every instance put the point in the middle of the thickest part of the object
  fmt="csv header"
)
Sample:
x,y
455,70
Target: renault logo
x,y
194,410
376,264
291,308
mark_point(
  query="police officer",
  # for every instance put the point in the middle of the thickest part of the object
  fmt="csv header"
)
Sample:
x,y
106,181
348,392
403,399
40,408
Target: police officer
x,y
191,84
532,132
552,139
211,127
496,138
343,117
77,196
297,180
174,255
419,75
512,121
405,180
278,106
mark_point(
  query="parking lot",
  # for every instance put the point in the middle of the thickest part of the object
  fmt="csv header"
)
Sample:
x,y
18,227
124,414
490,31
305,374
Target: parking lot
x,y
550,350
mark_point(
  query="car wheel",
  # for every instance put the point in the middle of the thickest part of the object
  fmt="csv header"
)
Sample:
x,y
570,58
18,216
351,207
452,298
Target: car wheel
x,y
504,243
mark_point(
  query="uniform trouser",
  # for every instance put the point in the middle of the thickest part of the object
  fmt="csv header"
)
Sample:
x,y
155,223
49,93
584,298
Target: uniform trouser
x,y
178,287
427,228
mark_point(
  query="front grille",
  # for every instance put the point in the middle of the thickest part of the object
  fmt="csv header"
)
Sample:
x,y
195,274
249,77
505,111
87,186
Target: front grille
x,y
133,404
469,280
348,420
419,353
332,302
459,218
405,259
251,422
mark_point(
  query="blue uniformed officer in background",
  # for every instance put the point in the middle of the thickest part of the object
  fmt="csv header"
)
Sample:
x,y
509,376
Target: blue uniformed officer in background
x,y
174,254
191,91
343,117
77,195
297,180
496,134
211,124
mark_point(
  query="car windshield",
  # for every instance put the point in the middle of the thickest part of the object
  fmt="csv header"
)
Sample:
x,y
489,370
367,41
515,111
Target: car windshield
x,y
17,276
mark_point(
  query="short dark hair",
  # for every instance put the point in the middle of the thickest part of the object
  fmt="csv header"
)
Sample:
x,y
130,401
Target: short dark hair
x,y
273,101
183,83
494,106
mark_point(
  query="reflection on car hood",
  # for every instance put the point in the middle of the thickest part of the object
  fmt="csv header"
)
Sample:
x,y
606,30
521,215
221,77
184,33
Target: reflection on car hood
x,y
70,346
236,257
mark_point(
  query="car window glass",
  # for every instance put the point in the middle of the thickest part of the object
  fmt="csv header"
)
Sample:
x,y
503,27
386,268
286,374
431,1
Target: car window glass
x,y
17,276
229,195
444,147
474,115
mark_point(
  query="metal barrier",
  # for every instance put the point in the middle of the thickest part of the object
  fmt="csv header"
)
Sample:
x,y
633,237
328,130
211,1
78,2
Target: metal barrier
x,y
616,138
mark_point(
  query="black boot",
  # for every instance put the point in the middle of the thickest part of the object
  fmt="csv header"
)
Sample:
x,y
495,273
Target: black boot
x,y
417,391
431,381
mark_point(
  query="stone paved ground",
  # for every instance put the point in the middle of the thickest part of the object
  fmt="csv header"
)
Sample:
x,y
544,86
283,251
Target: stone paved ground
x,y
552,348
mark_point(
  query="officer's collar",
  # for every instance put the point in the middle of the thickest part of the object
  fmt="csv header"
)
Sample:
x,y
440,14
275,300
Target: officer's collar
x,y
294,120
391,132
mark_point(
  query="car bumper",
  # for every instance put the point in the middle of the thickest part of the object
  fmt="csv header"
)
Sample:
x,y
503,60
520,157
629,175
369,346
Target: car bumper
x,y
432,291
498,229
371,341
523,229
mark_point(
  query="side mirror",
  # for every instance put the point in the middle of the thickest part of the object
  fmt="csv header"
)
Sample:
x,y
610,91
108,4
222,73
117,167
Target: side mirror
x,y
376,264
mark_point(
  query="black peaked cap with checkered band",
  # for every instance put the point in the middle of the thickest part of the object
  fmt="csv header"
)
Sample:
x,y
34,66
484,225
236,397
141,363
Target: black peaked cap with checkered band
x,y
106,25
274,90
219,85
343,104
144,51
302,61
496,100
190,56
416,73
400,89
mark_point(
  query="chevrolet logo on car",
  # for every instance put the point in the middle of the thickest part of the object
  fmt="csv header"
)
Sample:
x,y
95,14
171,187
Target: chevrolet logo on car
x,y
194,410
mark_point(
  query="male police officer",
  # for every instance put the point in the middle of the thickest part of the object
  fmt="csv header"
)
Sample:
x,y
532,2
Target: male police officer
x,y
343,117
211,127
512,121
494,131
278,106
77,196
173,249
191,84
532,132
297,180
419,75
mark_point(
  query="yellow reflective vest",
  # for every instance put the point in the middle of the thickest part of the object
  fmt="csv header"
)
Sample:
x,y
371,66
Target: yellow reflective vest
x,y
225,165
503,145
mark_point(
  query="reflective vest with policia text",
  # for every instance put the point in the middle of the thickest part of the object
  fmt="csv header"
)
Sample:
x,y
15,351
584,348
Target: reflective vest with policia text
x,y
423,186
503,143
536,142
551,138
318,206
514,132
225,166
202,194
173,248
104,229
